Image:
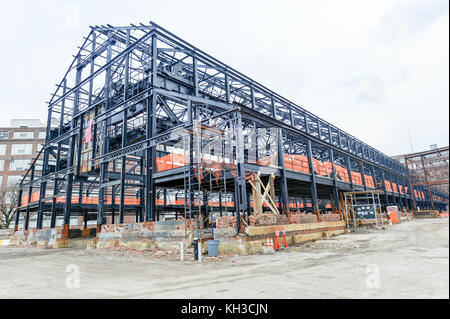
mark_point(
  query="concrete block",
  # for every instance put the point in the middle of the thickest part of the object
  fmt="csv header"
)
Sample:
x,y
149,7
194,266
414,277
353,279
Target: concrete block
x,y
267,250
228,248
169,225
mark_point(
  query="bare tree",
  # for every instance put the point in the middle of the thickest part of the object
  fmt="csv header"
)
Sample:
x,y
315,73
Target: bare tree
x,y
9,197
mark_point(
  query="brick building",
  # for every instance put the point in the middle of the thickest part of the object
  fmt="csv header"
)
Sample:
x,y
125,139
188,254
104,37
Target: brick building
x,y
19,144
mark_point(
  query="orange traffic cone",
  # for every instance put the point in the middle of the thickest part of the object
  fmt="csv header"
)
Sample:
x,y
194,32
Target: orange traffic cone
x,y
277,239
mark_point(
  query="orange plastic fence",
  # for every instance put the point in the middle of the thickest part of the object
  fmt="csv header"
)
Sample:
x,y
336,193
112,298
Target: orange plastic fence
x,y
394,186
171,161
323,168
297,163
369,181
342,173
127,201
294,162
357,178
75,200
387,184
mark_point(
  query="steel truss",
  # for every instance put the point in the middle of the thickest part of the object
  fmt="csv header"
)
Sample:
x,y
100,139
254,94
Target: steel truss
x,y
431,170
142,90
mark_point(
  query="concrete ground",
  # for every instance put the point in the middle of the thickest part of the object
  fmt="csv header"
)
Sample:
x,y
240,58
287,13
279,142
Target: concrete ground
x,y
409,260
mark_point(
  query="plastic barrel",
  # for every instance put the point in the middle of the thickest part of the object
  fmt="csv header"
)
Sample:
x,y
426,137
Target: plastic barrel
x,y
213,248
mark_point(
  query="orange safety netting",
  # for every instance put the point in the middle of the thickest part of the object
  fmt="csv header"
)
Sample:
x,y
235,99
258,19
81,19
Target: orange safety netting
x,y
369,181
171,161
75,200
34,198
297,163
342,173
323,168
387,184
394,186
357,178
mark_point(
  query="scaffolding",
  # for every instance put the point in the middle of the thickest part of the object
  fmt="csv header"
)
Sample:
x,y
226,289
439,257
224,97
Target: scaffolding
x,y
363,206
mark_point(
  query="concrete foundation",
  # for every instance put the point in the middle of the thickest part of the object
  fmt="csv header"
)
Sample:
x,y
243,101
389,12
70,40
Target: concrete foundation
x,y
167,235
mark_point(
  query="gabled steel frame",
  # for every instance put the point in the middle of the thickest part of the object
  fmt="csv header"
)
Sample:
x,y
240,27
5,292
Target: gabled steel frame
x,y
125,72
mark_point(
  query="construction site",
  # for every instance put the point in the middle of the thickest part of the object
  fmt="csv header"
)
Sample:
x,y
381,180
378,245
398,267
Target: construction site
x,y
160,145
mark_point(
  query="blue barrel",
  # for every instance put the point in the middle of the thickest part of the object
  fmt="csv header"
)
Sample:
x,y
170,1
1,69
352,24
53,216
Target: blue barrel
x,y
213,248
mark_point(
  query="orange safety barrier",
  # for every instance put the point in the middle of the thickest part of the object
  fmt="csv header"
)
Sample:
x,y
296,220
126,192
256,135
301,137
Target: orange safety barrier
x,y
394,186
342,173
127,201
387,184
369,181
288,161
75,200
357,178
268,160
323,168
170,161
297,163
224,204
34,198
393,214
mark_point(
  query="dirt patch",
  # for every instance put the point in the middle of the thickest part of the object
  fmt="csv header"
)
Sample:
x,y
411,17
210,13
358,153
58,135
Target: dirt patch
x,y
408,260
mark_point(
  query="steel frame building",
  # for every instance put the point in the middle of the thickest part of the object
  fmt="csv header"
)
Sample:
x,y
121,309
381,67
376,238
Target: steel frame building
x,y
140,91
430,169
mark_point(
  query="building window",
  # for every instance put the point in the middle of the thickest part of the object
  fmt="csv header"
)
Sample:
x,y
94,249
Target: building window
x,y
3,135
2,149
19,164
21,149
14,180
2,164
42,134
23,135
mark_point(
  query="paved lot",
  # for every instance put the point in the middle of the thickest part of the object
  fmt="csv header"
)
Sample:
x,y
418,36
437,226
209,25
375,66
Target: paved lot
x,y
409,260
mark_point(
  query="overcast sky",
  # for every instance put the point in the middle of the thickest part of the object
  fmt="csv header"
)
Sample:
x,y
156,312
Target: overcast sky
x,y
376,69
